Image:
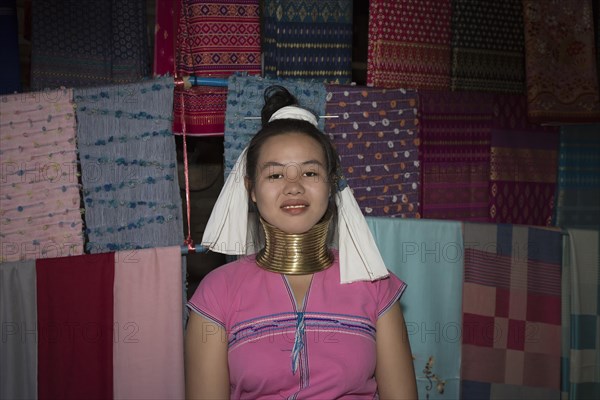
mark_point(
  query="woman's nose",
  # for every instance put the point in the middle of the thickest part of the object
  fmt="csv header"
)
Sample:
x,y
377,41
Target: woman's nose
x,y
293,181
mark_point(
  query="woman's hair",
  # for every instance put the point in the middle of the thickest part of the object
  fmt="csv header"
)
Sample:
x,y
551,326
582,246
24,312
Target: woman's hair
x,y
277,97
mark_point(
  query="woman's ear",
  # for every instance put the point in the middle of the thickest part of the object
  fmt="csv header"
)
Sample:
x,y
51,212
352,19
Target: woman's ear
x,y
249,188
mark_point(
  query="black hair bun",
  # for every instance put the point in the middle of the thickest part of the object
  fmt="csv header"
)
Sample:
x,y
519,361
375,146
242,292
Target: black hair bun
x,y
276,97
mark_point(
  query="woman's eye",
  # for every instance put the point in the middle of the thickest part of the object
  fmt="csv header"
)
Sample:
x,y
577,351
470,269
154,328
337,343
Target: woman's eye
x,y
311,174
275,176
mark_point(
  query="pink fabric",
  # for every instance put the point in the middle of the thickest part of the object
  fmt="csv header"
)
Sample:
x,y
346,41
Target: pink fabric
x,y
39,194
257,310
148,328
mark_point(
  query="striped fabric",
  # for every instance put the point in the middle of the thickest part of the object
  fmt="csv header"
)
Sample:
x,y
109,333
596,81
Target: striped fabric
x,y
409,44
308,39
511,313
40,211
245,98
455,154
581,367
578,198
215,39
376,134
128,166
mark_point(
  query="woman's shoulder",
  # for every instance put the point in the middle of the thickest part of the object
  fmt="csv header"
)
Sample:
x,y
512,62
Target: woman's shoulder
x,y
232,271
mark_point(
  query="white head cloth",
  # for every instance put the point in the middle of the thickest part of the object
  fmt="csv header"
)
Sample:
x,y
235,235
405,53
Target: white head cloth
x,y
227,228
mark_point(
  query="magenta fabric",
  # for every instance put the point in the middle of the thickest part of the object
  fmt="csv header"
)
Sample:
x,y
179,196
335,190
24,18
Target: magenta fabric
x,y
376,134
523,165
409,44
455,153
148,341
75,327
257,310
165,31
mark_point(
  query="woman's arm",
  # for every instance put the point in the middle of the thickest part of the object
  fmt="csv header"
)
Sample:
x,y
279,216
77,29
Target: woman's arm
x,y
394,372
206,370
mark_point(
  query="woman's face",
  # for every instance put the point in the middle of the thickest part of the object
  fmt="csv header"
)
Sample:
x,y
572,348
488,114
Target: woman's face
x,y
291,188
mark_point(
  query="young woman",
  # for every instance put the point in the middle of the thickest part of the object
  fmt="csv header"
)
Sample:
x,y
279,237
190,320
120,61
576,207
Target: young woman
x,y
297,320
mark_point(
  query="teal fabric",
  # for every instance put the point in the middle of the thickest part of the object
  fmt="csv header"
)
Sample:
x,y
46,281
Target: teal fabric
x,y
428,256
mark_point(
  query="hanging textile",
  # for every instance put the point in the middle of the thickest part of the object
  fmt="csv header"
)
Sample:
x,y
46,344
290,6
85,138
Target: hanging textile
x,y
376,134
245,98
18,317
428,256
165,30
581,372
148,346
77,44
308,39
128,166
488,46
10,74
409,44
39,192
562,81
578,202
215,38
523,166
511,322
455,153
75,327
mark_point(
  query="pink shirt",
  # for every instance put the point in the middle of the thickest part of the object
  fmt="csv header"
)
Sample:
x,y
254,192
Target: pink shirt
x,y
324,348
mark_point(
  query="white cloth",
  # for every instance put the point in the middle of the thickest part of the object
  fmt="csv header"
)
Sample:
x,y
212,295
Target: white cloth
x,y
293,112
227,229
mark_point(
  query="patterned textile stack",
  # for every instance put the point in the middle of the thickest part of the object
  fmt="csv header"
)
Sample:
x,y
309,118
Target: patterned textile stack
x,y
215,39
488,46
409,44
511,325
39,193
455,153
76,44
376,134
308,39
562,80
523,165
128,166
